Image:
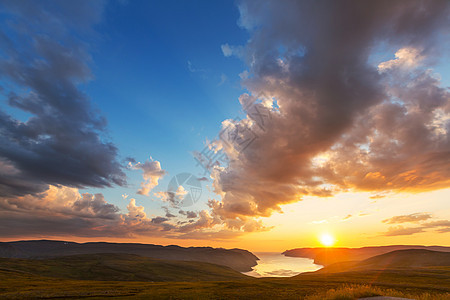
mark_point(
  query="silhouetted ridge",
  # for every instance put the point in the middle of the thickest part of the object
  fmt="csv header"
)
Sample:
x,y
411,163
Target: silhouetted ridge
x,y
238,259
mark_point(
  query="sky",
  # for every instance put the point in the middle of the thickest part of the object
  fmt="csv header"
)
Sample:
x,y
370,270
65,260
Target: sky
x,y
253,124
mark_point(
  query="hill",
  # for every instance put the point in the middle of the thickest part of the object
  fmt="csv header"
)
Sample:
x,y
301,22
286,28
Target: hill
x,y
400,259
420,285
120,267
237,259
327,256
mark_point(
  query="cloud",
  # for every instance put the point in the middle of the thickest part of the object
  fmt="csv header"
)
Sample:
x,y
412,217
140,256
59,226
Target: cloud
x,y
400,230
320,222
323,118
205,220
223,79
58,211
193,69
152,173
62,211
404,58
412,218
61,141
188,214
440,226
159,220
226,50
174,198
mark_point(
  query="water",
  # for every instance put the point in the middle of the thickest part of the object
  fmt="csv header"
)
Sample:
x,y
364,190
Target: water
x,y
274,264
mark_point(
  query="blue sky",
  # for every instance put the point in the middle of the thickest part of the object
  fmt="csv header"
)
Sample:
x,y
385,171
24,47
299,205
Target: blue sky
x,y
159,80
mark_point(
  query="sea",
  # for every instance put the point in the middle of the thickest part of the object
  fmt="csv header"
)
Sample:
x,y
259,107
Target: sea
x,y
275,264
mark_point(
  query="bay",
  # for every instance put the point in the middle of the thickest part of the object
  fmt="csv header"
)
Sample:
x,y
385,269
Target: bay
x,y
274,264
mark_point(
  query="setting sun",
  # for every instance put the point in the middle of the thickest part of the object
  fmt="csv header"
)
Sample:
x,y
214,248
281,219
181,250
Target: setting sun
x,y
327,240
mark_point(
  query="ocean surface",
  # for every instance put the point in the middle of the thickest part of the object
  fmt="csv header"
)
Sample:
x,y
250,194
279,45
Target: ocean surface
x,y
274,264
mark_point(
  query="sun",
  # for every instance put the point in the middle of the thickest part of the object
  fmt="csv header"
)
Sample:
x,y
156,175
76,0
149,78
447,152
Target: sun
x,y
327,240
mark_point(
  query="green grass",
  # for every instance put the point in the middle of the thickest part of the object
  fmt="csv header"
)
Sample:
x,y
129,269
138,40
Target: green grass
x,y
130,276
427,285
121,267
350,292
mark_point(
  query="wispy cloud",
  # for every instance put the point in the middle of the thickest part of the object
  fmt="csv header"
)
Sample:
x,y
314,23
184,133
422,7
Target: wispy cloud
x,y
194,69
412,218
400,230
440,226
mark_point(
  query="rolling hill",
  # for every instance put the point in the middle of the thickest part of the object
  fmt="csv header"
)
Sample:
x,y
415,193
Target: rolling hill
x,y
237,259
327,256
120,267
416,274
400,259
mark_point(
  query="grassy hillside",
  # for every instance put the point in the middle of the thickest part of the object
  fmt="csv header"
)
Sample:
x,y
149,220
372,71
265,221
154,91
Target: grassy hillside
x,y
410,274
121,267
431,285
410,259
238,259
327,256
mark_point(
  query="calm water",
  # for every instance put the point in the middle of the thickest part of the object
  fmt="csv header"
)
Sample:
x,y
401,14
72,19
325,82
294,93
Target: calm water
x,y
272,264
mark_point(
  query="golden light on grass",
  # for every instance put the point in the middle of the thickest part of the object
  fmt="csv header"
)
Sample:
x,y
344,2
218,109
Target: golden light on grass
x,y
327,240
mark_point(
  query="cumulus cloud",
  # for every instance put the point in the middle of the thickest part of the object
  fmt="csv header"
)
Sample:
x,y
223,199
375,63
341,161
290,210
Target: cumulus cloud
x,y
205,220
62,211
151,172
324,117
173,198
42,63
404,58
57,211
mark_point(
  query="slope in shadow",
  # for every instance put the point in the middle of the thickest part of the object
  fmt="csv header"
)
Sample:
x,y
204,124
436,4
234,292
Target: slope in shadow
x,y
120,267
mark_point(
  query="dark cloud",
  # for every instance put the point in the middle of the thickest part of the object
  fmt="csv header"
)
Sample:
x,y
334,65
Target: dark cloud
x,y
61,141
159,220
97,205
188,214
169,214
326,116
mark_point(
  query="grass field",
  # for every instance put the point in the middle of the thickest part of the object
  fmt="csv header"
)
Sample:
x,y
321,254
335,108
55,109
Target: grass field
x,y
131,276
121,267
418,284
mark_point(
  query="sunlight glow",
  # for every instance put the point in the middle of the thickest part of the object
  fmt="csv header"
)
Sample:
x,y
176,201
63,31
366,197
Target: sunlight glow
x,y
327,240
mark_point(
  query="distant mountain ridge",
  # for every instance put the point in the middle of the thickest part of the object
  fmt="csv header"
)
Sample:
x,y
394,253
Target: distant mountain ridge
x,y
237,259
327,256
